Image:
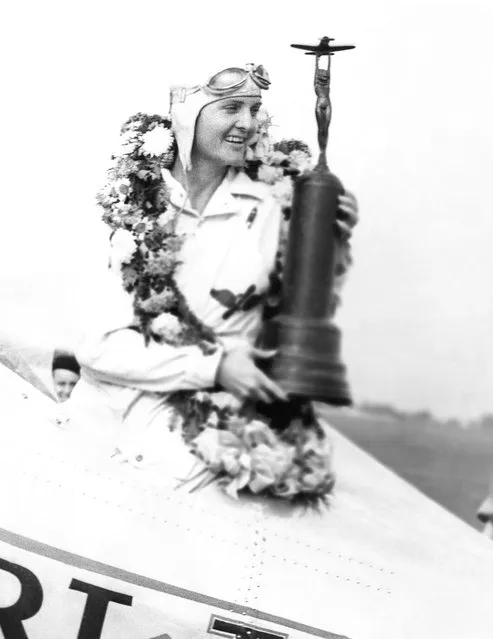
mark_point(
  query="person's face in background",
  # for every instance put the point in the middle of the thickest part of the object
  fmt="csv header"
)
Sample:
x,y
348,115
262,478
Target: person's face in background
x,y
64,382
485,514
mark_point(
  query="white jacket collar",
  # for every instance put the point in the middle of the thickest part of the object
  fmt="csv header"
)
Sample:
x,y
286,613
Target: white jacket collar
x,y
241,184
226,199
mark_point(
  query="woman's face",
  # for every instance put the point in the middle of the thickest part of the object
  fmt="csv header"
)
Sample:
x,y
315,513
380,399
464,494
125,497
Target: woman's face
x,y
224,129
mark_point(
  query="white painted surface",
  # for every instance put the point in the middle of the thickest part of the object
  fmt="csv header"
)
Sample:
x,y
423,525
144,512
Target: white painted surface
x,y
382,562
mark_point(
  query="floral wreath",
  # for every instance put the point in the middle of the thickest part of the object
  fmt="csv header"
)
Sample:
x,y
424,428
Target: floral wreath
x,y
287,454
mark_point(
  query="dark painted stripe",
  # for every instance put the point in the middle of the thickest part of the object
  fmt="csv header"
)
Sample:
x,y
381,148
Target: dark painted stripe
x,y
78,561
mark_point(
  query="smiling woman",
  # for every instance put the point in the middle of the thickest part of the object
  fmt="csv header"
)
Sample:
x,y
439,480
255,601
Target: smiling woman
x,y
224,130
196,237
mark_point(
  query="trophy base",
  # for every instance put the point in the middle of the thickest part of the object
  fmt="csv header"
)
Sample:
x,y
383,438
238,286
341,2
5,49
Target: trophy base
x,y
307,363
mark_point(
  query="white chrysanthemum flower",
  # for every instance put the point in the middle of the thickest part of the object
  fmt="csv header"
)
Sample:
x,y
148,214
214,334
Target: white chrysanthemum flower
x,y
166,217
261,144
122,188
127,143
277,157
135,124
213,420
260,149
300,160
263,147
166,325
108,191
270,174
223,399
282,190
158,141
123,247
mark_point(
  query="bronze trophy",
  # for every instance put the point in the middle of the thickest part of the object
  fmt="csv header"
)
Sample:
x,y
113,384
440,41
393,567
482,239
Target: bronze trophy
x,y
308,363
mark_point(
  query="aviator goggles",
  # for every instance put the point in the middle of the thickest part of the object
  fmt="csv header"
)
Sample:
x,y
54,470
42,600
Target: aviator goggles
x,y
235,77
226,82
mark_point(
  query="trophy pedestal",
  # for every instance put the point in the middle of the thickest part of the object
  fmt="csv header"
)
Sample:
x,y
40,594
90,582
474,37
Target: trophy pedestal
x,y
307,363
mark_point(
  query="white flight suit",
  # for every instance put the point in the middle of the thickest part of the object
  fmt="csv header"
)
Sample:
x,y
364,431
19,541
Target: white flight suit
x,y
121,397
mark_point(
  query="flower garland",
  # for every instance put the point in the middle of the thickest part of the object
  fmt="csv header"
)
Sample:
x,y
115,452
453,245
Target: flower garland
x,y
145,247
285,454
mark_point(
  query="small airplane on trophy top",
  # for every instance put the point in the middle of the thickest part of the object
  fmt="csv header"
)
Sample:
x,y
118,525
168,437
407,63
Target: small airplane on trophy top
x,y
323,47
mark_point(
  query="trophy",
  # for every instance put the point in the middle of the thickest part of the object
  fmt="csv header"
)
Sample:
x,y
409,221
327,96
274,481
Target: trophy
x,y
307,363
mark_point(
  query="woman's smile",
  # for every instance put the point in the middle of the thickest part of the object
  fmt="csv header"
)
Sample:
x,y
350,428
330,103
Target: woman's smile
x,y
236,139
236,142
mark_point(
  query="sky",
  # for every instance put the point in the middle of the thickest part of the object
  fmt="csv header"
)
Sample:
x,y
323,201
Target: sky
x,y
411,135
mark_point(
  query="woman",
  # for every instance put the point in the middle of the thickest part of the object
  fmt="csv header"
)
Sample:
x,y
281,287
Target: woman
x,y
231,227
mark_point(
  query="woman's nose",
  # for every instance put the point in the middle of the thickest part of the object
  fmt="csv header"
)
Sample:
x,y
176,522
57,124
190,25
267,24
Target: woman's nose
x,y
245,120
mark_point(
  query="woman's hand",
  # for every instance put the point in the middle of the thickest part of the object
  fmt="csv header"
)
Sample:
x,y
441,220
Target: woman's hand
x,y
239,375
347,214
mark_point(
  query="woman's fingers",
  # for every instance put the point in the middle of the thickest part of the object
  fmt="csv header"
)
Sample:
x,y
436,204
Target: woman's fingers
x,y
348,205
267,385
349,213
349,196
261,353
240,375
264,390
348,209
273,389
261,396
345,229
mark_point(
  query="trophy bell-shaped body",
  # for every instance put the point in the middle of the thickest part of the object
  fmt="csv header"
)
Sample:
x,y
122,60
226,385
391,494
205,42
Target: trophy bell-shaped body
x,y
307,362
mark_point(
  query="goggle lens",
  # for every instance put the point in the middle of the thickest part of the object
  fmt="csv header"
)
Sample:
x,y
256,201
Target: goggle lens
x,y
234,77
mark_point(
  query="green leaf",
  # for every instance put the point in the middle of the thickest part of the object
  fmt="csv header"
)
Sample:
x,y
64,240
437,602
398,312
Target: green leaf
x,y
224,297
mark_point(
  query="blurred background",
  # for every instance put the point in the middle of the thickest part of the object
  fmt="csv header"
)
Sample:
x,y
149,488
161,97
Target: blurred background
x,y
411,135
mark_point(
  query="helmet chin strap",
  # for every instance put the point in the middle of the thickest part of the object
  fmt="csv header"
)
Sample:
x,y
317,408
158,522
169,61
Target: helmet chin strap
x,y
187,192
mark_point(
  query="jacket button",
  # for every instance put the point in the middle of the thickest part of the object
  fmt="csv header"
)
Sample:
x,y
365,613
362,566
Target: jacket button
x,y
139,458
